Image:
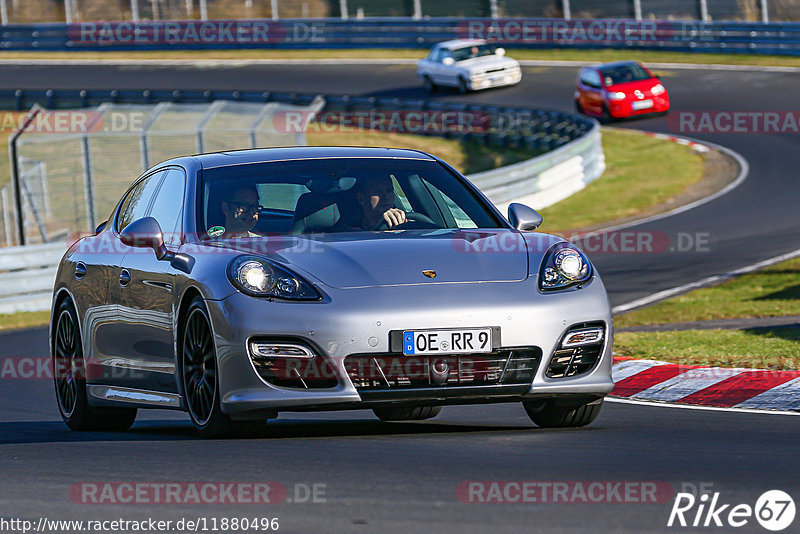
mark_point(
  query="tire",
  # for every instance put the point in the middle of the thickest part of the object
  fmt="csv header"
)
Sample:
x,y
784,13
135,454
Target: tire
x,y
407,413
463,88
551,416
579,108
200,380
605,116
69,378
429,85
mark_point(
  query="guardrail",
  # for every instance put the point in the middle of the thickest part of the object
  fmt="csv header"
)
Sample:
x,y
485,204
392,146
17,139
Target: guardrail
x,y
566,148
719,37
27,275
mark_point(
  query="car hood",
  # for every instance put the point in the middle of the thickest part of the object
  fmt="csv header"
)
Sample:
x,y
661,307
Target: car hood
x,y
630,87
487,62
370,259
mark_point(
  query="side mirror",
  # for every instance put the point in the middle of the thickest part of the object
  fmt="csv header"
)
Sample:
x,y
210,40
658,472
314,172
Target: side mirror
x,y
146,233
500,51
448,61
100,227
523,217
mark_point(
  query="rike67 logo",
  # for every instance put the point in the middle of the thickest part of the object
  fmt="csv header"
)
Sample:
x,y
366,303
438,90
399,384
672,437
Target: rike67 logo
x,y
774,510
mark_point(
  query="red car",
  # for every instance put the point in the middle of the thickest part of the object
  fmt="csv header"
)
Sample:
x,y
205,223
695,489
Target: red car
x,y
618,90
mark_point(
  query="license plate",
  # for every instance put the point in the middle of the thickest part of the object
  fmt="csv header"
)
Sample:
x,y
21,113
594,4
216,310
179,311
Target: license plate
x,y
463,340
642,104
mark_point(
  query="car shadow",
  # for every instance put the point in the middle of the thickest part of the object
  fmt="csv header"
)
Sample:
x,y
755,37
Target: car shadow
x,y
16,433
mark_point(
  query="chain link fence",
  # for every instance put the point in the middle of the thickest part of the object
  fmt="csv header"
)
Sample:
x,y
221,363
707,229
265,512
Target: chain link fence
x,y
74,165
29,11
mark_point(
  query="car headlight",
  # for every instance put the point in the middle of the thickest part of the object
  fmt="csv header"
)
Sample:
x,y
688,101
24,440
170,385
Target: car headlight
x,y
564,266
616,95
657,89
258,277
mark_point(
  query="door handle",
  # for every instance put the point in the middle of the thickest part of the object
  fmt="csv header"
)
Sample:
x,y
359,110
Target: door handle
x,y
80,270
124,277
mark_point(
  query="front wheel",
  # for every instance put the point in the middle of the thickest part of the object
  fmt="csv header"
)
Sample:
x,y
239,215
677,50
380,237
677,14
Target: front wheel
x,y
429,85
69,373
549,415
200,379
463,88
407,413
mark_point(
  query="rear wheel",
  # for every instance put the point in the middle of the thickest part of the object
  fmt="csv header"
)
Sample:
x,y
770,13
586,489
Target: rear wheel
x,y
549,415
69,373
407,413
200,379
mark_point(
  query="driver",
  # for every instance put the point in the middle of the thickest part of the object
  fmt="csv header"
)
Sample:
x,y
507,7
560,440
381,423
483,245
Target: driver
x,y
241,212
375,197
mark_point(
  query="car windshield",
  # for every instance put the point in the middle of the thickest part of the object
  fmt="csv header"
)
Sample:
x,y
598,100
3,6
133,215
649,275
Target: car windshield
x,y
624,74
336,195
469,52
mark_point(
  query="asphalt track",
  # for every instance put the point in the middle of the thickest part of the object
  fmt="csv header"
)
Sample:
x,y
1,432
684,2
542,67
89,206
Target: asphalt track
x,y
403,477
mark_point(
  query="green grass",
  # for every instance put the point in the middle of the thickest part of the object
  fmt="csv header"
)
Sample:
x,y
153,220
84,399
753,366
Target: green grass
x,y
14,321
642,172
771,292
603,55
777,348
468,158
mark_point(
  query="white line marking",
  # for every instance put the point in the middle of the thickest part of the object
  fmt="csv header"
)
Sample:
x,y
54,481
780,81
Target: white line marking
x,y
661,295
744,171
698,407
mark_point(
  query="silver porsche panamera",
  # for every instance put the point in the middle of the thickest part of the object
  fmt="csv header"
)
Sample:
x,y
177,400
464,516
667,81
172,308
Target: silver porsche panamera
x,y
238,285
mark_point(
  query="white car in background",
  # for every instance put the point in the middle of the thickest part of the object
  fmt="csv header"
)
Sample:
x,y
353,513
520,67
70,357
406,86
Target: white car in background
x,y
468,65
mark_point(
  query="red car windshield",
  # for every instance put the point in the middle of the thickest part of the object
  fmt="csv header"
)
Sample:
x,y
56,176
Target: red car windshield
x,y
624,74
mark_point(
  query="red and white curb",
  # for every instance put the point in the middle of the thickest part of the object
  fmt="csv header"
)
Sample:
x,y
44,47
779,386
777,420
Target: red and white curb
x,y
653,380
694,145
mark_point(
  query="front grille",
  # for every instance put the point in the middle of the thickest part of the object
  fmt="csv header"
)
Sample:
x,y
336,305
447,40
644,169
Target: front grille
x,y
575,361
491,71
396,371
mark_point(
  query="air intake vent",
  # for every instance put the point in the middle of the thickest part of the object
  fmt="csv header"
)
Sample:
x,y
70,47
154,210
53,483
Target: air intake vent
x,y
395,371
291,365
578,351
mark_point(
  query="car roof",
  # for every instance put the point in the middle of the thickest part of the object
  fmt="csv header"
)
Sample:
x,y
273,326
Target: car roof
x,y
458,43
616,64
264,155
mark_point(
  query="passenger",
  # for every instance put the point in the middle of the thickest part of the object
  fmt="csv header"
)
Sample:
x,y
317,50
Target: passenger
x,y
241,213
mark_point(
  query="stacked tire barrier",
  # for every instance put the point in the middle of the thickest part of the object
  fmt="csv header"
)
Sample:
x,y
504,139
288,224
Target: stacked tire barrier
x,y
566,154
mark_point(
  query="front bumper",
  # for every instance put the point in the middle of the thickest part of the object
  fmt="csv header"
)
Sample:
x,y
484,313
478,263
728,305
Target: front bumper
x,y
624,108
499,79
359,321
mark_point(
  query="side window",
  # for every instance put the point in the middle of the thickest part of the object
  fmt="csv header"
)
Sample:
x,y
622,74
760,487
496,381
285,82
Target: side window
x,y
168,206
590,78
445,53
434,55
135,205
